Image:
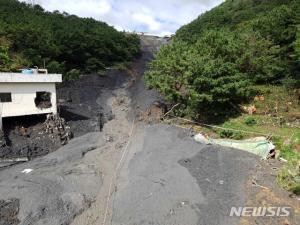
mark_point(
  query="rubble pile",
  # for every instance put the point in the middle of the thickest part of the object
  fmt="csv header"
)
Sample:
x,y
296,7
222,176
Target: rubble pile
x,y
9,210
58,128
154,113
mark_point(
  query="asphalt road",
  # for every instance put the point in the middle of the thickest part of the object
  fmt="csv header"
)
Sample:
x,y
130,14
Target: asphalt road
x,y
169,179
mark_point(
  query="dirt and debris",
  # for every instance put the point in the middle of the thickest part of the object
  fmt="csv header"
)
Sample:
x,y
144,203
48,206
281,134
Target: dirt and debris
x,y
25,137
33,136
154,113
2,139
262,190
58,128
82,108
84,166
9,210
24,131
43,100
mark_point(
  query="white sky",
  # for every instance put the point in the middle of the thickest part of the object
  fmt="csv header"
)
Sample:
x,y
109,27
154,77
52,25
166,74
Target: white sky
x,y
154,16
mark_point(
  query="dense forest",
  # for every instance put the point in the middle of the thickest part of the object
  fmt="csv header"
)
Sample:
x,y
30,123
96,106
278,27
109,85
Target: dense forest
x,y
213,61
31,36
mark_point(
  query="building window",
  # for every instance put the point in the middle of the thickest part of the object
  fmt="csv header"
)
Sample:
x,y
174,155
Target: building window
x,y
5,97
43,100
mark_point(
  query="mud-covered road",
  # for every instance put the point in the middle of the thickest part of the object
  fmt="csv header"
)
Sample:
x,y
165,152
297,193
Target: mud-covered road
x,y
55,188
131,173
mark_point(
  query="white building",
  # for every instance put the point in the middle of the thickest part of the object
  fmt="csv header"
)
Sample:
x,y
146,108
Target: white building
x,y
27,94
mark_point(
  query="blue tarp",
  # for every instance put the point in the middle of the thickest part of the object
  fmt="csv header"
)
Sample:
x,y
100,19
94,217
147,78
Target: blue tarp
x,y
27,71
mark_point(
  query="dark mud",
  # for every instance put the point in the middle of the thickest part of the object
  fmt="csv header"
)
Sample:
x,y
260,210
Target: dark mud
x,y
30,143
141,97
62,184
81,103
9,212
59,187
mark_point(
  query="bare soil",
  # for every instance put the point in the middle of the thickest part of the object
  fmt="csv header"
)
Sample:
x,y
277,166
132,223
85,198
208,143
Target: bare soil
x,y
263,191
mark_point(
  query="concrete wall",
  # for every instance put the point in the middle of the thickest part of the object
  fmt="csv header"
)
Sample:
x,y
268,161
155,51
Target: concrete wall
x,y
23,96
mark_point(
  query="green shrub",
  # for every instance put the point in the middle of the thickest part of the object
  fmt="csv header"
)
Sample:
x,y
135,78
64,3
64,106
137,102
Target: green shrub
x,y
4,58
123,66
287,152
226,134
55,67
250,121
10,62
289,177
297,44
231,134
93,65
73,74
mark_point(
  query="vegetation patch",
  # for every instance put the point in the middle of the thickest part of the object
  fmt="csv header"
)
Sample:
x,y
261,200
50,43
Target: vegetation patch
x,y
214,62
271,118
238,67
63,43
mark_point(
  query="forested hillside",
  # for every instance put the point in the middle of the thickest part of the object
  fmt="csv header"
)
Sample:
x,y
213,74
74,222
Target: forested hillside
x,y
29,36
213,61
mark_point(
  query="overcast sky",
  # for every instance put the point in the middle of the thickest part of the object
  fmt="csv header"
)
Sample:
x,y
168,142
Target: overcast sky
x,y
154,16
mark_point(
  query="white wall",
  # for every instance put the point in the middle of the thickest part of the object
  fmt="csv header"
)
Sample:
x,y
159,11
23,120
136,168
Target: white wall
x,y
30,78
23,96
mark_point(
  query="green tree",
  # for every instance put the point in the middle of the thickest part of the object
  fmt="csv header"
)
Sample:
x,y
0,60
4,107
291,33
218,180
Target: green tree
x,y
268,26
212,62
202,76
64,41
55,67
4,58
93,65
297,45
260,59
73,74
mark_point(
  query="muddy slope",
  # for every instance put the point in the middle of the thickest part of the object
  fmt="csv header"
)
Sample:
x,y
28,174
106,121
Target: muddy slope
x,y
82,104
57,187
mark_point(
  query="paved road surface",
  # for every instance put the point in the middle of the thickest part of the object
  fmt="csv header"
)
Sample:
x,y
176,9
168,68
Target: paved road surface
x,y
169,179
